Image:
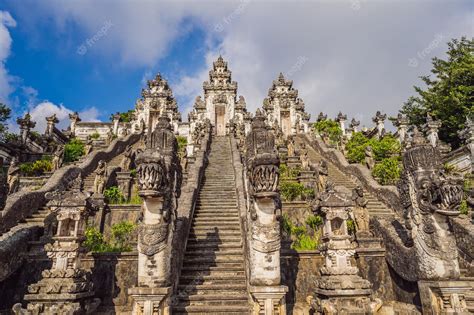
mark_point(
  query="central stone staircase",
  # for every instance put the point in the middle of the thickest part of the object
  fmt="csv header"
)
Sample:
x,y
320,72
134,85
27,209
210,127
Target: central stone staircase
x,y
213,275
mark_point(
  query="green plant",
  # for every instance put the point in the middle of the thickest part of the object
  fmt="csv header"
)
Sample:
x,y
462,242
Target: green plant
x,y
387,171
125,116
133,172
383,148
121,236
329,128
304,238
287,172
351,228
114,195
449,92
119,241
463,208
290,190
73,150
182,143
314,221
36,168
95,136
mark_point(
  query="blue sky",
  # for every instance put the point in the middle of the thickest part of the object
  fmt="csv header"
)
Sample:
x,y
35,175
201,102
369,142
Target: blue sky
x,y
359,55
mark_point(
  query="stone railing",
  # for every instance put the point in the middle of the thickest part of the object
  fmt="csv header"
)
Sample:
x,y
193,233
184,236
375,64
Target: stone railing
x,y
187,204
387,194
22,204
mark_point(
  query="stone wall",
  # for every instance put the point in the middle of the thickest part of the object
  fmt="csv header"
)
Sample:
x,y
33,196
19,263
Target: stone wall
x,y
301,269
464,233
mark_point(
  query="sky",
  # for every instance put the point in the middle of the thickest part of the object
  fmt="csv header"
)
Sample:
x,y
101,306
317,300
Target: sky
x,y
94,57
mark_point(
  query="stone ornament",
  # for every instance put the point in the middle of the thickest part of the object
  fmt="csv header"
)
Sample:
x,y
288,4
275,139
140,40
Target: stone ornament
x,y
13,176
340,289
58,157
159,181
100,178
65,288
429,197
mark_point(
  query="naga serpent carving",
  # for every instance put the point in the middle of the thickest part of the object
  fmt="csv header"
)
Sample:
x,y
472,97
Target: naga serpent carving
x,y
430,197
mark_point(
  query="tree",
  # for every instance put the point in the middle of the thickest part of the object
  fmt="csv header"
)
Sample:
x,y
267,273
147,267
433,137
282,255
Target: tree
x,y
5,112
450,95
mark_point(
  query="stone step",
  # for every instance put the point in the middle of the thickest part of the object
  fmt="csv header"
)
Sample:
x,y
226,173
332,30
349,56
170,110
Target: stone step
x,y
203,253
213,259
215,310
209,267
215,287
199,278
212,214
219,221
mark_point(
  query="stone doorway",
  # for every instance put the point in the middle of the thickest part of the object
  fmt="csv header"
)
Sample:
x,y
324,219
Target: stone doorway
x,y
220,120
285,123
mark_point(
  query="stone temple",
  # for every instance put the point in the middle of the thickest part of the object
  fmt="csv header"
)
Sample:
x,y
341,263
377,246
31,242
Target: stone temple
x,y
232,212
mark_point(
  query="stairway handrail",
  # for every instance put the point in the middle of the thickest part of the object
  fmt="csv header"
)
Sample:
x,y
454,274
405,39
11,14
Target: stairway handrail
x,y
388,194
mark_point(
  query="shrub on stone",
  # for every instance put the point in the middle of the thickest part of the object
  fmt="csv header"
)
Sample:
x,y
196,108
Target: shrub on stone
x,y
73,150
387,171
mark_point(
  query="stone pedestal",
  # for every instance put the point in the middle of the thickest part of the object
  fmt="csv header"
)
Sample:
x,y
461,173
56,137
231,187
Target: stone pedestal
x,y
150,301
293,162
269,300
365,241
444,297
124,181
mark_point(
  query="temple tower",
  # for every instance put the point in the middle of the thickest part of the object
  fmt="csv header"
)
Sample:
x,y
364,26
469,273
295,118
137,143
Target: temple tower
x,y
282,107
157,100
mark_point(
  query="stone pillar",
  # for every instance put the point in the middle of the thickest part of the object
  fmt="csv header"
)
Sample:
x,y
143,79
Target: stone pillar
x,y
432,127
51,121
341,119
340,288
65,288
264,237
115,122
353,127
401,122
379,120
74,119
26,124
159,180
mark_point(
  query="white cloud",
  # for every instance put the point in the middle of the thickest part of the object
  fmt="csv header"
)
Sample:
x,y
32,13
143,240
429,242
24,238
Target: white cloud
x,y
44,109
357,55
6,79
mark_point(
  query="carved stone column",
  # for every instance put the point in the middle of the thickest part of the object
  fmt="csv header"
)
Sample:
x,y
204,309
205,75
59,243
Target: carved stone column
x,y
74,119
66,288
115,121
51,121
340,288
401,122
159,180
379,120
264,237
341,119
432,127
26,124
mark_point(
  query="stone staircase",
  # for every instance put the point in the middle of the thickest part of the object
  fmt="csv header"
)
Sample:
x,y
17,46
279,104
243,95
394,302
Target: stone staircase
x,y
375,207
35,219
213,277
115,162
